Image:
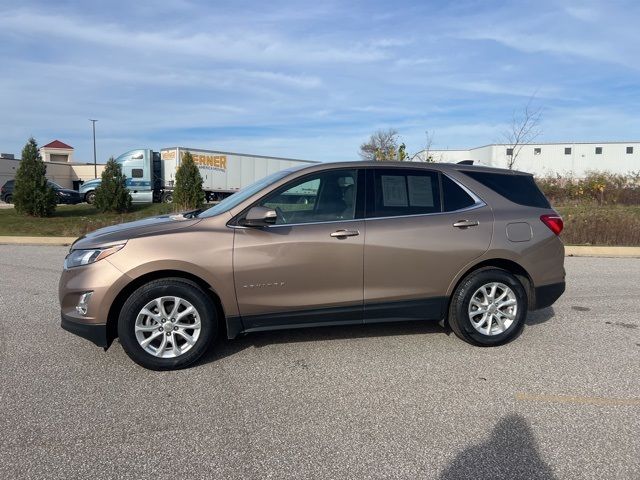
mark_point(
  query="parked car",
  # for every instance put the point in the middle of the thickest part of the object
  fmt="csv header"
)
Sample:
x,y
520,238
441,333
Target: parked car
x,y
63,195
140,190
372,242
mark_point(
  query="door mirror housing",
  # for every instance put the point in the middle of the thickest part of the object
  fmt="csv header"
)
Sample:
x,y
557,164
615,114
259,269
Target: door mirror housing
x,y
259,217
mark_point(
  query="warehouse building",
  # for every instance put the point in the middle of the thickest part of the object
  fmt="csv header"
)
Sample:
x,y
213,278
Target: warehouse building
x,y
549,158
61,169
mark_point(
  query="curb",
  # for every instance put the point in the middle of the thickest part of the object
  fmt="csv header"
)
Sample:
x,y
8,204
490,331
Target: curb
x,y
589,251
53,241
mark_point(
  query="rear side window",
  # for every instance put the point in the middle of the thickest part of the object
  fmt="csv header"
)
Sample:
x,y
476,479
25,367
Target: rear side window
x,y
520,189
405,192
454,196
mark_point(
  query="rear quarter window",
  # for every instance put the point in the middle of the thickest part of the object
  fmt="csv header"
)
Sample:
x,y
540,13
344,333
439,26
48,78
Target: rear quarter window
x,y
454,196
520,189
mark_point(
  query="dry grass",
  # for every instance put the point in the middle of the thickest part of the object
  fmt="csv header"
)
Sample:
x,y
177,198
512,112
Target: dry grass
x,y
591,224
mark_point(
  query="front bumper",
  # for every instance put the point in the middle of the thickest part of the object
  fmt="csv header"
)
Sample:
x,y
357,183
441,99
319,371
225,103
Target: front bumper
x,y
104,281
546,295
96,332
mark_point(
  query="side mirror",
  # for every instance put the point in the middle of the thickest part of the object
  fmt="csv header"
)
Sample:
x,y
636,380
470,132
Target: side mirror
x,y
259,217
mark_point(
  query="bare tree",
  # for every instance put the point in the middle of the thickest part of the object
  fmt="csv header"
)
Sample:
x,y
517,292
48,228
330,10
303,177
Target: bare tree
x,y
382,145
424,155
524,129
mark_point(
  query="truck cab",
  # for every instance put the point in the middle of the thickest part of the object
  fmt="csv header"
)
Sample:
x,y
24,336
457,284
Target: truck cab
x,y
138,166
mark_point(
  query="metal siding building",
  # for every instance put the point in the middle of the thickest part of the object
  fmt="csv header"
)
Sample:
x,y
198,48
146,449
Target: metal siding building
x,y
550,158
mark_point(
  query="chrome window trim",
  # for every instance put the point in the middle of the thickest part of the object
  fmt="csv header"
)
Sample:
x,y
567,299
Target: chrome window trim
x,y
479,203
466,209
299,224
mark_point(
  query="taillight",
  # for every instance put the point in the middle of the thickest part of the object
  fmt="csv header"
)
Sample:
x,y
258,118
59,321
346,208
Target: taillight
x,y
554,222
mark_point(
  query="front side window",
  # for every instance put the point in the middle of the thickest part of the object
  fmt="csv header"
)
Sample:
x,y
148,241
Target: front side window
x,y
399,192
240,196
323,197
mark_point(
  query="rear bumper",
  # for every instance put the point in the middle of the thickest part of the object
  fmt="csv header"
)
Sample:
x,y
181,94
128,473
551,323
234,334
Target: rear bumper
x,y
546,295
95,332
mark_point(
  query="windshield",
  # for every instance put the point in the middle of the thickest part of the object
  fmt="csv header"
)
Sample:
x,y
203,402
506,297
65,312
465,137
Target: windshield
x,y
55,185
241,195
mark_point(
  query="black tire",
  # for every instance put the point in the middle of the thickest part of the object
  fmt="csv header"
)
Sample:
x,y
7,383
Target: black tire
x,y
180,287
167,197
8,198
459,320
90,197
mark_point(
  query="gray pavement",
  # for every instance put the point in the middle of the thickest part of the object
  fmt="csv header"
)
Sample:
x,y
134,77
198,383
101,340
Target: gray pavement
x,y
385,401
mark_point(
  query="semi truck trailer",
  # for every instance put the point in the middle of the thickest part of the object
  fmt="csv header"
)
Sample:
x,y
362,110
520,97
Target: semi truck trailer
x,y
151,174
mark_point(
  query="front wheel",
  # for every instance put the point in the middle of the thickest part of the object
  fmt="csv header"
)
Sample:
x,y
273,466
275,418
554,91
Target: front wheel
x,y
167,197
167,324
90,197
488,308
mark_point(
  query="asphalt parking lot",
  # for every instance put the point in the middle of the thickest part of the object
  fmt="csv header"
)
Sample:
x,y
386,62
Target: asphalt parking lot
x,y
384,401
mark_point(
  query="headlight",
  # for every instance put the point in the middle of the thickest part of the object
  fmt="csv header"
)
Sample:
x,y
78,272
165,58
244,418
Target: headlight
x,y
77,258
64,194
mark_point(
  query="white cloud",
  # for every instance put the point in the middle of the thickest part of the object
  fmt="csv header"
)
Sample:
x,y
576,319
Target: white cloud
x,y
310,81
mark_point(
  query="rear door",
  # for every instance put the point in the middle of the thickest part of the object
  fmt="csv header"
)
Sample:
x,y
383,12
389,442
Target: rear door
x,y
422,229
306,269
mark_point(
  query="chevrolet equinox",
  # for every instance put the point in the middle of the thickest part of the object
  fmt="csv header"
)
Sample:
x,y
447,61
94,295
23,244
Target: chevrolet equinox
x,y
326,244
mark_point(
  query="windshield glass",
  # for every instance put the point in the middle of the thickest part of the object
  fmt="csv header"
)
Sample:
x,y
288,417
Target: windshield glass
x,y
55,185
241,195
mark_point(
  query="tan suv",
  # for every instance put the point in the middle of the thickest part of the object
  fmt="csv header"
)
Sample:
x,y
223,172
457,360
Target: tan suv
x,y
327,244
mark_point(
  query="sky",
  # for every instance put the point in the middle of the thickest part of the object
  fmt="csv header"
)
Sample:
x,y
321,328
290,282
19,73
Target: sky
x,y
313,80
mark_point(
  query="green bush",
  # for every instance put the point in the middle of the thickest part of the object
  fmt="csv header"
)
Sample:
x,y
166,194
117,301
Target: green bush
x,y
112,194
188,194
32,195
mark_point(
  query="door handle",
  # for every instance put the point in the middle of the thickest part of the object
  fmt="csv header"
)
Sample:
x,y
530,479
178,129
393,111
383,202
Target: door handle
x,y
465,223
345,233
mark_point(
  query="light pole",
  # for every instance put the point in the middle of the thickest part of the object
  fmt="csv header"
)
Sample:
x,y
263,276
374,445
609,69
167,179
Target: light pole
x,y
95,163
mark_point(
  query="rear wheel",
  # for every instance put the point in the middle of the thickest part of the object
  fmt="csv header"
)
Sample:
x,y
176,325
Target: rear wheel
x,y
8,198
90,197
167,197
488,308
167,324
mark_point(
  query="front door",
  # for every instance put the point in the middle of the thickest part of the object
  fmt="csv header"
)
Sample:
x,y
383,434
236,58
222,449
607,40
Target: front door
x,y
307,268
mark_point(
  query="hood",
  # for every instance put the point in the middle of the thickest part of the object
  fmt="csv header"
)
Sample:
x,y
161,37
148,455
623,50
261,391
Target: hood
x,y
90,184
114,234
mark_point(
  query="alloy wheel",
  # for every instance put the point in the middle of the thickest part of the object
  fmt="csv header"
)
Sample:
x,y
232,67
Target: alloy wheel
x,y
167,327
493,308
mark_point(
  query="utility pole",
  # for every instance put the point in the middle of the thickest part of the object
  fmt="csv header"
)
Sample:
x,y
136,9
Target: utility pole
x,y
95,163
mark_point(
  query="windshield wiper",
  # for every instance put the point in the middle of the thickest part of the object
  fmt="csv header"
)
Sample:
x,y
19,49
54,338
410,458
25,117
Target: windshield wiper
x,y
192,213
